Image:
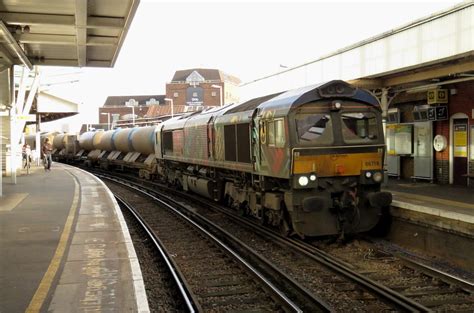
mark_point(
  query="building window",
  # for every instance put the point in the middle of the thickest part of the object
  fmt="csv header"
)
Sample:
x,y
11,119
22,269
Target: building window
x,y
176,95
214,93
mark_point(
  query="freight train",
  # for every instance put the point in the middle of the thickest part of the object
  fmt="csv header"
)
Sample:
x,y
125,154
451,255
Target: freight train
x,y
308,161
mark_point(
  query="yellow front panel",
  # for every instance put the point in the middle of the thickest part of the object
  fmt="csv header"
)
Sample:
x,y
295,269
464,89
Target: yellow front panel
x,y
337,164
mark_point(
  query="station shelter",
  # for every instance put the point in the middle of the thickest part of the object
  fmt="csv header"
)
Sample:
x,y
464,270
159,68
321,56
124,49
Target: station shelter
x,y
72,33
430,133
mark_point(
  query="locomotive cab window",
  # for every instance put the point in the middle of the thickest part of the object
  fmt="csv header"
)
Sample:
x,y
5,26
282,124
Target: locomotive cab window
x,y
359,127
168,142
276,133
314,128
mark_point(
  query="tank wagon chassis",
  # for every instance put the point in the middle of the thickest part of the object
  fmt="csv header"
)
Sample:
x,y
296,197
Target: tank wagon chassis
x,y
308,161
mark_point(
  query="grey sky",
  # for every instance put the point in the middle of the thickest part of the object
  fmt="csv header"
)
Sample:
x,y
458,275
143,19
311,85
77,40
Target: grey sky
x,y
245,39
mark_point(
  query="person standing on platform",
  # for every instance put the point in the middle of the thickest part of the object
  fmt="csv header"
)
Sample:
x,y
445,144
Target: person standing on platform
x,y
47,149
26,154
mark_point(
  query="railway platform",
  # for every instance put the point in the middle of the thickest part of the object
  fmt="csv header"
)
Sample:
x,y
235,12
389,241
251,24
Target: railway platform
x,y
65,247
446,207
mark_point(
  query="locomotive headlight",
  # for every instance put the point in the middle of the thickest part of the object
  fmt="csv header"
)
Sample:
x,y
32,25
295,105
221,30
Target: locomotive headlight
x,y
303,181
377,177
368,174
336,105
312,177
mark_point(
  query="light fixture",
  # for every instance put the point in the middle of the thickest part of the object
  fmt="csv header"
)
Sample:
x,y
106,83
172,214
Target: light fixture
x,y
172,105
336,105
220,93
377,177
303,181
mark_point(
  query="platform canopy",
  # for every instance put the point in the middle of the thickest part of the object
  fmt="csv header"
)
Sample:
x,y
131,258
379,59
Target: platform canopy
x,y
63,32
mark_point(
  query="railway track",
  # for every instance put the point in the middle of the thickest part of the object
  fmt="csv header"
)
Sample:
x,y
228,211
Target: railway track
x,y
216,276
349,284
432,288
176,296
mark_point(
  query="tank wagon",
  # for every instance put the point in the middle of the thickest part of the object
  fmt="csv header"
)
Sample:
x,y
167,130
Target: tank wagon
x,y
309,160
88,143
65,147
124,148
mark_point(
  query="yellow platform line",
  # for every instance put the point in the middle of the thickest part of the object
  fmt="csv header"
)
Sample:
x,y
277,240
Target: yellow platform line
x,y
433,200
45,284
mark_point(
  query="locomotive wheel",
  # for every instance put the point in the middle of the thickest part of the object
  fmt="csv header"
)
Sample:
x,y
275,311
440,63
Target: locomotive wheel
x,y
383,226
284,228
242,210
263,220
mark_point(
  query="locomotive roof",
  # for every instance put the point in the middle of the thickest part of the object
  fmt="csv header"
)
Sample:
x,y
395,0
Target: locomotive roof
x,y
284,101
251,104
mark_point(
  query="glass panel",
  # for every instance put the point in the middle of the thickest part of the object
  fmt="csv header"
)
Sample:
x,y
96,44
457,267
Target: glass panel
x,y
271,133
279,134
359,127
314,128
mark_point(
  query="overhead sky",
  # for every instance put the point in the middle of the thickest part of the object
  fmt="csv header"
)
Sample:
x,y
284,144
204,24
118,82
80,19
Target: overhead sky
x,y
246,39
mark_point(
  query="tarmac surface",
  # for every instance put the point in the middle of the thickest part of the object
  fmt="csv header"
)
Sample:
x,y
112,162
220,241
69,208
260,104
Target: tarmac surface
x,y
65,247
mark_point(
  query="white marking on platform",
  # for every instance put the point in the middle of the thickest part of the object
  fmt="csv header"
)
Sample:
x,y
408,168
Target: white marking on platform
x,y
98,225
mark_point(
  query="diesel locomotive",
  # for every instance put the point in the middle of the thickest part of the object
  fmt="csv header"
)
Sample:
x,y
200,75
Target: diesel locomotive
x,y
309,160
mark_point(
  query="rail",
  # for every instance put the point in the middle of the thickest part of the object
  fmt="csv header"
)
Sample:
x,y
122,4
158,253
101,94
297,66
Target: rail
x,y
183,288
277,294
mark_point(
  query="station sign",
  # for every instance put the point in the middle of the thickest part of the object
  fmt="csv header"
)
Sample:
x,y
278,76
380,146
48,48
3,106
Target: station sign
x,y
439,113
26,117
437,96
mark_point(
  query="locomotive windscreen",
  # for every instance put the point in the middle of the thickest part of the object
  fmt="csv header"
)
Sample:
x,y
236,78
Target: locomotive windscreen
x,y
314,128
359,127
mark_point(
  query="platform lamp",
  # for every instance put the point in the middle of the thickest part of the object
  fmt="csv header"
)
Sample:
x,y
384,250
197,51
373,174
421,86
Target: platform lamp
x,y
172,105
220,93
133,112
108,119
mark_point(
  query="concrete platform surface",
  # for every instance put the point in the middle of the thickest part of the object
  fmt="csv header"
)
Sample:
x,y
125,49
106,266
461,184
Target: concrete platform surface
x,y
446,206
65,247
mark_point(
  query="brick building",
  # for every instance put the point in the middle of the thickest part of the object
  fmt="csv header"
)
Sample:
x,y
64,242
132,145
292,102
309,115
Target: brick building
x,y
119,108
188,90
202,87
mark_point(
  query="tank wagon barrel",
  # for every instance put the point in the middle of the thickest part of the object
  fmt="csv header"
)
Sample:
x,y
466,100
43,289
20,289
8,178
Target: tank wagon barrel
x,y
90,140
143,139
59,141
107,140
121,140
